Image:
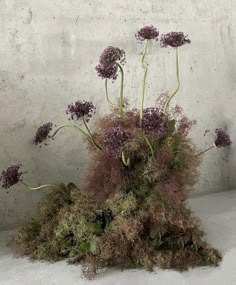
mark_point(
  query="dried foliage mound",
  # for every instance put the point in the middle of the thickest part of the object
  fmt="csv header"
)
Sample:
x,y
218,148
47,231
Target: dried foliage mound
x,y
139,216
131,210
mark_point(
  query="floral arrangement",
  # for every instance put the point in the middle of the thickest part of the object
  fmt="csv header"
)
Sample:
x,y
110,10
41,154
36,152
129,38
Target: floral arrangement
x,y
131,209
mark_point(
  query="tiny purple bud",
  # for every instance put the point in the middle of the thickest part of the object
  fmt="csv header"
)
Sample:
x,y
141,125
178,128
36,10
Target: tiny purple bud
x,y
107,72
222,139
11,176
174,39
43,133
81,110
153,122
114,138
111,55
147,33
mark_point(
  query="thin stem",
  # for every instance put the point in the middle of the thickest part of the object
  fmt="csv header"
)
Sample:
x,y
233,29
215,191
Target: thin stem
x,y
126,162
39,187
107,96
149,145
178,82
121,101
145,67
204,151
69,126
91,136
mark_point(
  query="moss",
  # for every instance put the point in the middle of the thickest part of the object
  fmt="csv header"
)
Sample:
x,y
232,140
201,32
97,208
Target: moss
x,y
125,216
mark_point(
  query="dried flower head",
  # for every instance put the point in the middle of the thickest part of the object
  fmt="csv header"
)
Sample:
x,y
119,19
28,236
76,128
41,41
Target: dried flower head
x,y
111,56
107,72
147,33
11,176
81,110
174,39
43,133
222,139
153,122
113,140
185,125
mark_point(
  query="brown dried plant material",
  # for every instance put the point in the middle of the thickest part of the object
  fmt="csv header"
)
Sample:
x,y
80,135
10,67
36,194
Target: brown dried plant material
x,y
125,216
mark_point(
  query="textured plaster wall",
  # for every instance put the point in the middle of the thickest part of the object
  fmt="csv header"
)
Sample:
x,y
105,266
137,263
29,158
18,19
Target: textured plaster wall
x,y
48,50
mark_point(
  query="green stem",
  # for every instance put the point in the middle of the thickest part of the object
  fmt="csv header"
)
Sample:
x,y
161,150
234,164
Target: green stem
x,y
107,96
91,136
178,82
204,151
126,162
69,126
121,101
39,187
145,67
149,145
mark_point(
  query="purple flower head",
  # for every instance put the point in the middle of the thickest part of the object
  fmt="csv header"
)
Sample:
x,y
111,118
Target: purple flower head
x,y
113,140
107,72
222,139
81,110
174,39
42,133
153,122
147,33
111,56
11,176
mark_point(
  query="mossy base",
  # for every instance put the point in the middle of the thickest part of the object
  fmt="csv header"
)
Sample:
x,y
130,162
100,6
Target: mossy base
x,y
126,231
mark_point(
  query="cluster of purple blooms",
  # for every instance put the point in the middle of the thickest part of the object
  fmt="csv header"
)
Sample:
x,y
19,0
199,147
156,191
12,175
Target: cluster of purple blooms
x,y
107,67
43,133
222,139
153,122
11,176
81,110
114,139
174,39
107,72
147,33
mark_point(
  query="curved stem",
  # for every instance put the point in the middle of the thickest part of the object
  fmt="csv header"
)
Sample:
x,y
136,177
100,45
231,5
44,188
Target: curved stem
x,y
126,162
145,67
121,101
39,187
204,151
91,136
149,145
178,82
69,126
107,96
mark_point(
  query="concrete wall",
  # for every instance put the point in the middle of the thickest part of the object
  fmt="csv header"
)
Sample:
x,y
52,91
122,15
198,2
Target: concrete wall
x,y
48,50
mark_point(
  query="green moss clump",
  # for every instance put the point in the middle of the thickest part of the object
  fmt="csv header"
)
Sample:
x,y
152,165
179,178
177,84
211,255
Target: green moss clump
x,y
125,215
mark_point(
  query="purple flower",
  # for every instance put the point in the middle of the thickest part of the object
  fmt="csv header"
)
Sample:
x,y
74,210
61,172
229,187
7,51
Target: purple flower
x,y
109,72
174,39
222,139
153,122
43,133
81,110
113,140
185,125
111,56
147,33
11,176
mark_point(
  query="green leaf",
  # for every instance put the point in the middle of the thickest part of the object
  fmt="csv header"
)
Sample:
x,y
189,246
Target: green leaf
x,y
83,247
92,247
